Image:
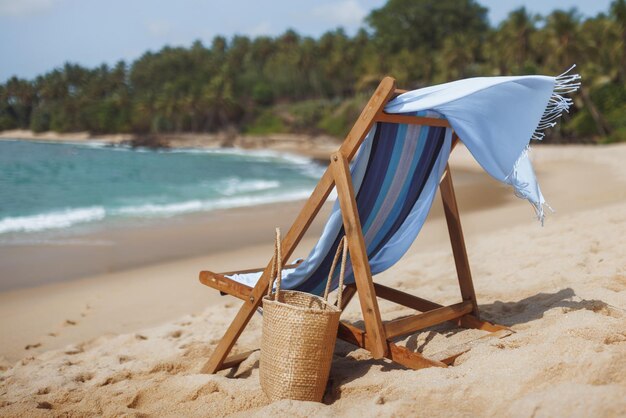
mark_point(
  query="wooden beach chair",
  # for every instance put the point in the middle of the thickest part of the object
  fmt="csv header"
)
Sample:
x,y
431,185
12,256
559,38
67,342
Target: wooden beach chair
x,y
378,335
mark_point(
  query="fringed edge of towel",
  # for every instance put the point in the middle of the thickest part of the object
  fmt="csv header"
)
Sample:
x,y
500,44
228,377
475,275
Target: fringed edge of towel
x,y
563,84
557,104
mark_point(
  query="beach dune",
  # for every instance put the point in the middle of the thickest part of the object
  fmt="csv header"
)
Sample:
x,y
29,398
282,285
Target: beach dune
x,y
132,342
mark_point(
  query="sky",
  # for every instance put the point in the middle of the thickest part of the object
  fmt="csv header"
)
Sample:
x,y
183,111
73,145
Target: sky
x,y
39,35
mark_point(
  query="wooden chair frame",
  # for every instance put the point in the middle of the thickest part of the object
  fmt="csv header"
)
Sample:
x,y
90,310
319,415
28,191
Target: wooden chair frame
x,y
377,335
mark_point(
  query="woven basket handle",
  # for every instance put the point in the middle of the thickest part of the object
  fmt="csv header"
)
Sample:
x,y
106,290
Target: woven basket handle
x,y
277,267
343,247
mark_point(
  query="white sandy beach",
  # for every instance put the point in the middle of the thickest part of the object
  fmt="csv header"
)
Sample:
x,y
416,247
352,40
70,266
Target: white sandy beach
x,y
132,342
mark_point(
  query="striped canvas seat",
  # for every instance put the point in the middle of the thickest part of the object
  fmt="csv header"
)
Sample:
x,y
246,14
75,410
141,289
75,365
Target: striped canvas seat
x,y
392,167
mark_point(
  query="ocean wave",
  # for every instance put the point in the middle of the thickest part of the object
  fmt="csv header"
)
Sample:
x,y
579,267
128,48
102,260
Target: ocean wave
x,y
86,143
51,220
305,165
93,143
190,206
243,201
234,185
255,153
71,217
150,209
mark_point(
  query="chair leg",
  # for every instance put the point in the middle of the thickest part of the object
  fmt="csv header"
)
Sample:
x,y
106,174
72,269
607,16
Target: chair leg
x,y
358,256
457,241
216,362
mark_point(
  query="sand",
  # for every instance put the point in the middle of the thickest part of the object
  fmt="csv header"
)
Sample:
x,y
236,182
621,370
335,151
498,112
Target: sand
x,y
131,343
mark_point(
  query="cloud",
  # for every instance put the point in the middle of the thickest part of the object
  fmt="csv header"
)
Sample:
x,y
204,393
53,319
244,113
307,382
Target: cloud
x,y
342,13
25,7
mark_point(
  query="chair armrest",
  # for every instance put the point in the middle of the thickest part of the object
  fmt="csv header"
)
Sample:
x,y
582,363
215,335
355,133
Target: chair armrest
x,y
225,285
258,270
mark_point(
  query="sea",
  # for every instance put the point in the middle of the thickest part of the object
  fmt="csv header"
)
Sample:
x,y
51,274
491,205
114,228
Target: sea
x,y
47,186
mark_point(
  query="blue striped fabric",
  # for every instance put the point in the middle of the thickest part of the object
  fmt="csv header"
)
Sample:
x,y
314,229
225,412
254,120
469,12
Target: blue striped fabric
x,y
400,160
392,168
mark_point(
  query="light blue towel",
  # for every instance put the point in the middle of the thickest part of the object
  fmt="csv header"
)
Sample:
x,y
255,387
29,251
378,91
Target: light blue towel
x,y
496,117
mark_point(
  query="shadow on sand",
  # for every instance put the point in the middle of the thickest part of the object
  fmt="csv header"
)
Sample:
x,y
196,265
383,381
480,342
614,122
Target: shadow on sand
x,y
350,364
347,368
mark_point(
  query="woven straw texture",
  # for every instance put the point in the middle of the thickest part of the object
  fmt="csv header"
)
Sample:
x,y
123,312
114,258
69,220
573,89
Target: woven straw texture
x,y
297,346
298,336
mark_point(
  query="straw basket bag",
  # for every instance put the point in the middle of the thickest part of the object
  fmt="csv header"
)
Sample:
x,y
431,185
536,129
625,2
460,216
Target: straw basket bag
x,y
299,333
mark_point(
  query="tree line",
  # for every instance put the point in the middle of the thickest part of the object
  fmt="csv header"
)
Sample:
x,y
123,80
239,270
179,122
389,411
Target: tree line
x,y
294,83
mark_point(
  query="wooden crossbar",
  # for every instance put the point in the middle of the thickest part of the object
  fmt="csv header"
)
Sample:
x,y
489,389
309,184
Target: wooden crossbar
x,y
404,299
412,120
412,323
423,305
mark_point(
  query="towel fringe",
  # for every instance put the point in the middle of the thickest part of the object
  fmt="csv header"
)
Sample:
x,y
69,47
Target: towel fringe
x,y
557,104
564,84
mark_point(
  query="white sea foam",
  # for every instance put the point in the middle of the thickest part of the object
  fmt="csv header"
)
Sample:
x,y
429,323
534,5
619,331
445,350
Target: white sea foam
x,y
166,210
91,144
242,201
257,154
150,209
234,185
51,220
70,217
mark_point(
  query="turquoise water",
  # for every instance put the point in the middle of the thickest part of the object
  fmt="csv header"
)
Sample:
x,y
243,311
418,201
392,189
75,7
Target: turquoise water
x,y
47,186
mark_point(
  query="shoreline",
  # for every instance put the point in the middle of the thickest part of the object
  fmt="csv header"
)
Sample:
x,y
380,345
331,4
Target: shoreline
x,y
27,260
317,148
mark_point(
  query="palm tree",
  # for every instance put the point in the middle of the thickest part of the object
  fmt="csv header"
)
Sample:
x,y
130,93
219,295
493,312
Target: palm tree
x,y
562,29
513,40
458,53
618,14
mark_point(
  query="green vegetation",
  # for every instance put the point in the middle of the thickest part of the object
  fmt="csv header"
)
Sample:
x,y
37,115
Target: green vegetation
x,y
266,123
293,83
